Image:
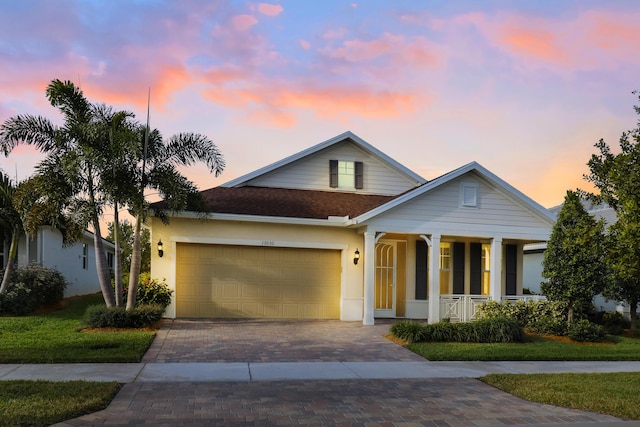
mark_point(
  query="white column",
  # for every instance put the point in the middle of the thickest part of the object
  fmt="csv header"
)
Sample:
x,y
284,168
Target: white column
x,y
434,279
496,270
369,277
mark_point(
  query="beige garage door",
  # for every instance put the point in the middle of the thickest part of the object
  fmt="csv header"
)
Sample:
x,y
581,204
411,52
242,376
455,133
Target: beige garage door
x,y
214,281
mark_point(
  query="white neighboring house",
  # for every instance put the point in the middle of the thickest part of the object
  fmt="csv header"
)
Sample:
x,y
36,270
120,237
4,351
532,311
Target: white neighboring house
x,y
534,256
76,262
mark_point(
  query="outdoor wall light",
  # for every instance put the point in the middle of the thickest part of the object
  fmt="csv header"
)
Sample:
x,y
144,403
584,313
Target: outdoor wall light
x,y
160,249
356,257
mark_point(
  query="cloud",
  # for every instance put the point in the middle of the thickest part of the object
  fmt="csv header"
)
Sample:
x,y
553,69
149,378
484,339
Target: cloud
x,y
243,22
270,9
304,44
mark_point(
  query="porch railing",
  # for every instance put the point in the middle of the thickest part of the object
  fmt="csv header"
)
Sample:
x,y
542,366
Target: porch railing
x,y
463,308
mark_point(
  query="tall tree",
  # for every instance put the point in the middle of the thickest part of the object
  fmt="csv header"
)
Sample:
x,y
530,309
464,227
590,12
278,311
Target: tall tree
x,y
70,173
573,261
11,223
617,178
159,171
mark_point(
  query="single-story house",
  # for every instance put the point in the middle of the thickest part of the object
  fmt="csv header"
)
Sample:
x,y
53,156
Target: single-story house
x,y
76,262
343,231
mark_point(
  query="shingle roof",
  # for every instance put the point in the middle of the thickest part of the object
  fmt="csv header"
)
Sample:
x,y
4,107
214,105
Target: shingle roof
x,y
290,203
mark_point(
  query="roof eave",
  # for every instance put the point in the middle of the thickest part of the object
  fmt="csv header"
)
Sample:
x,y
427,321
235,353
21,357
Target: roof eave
x,y
329,222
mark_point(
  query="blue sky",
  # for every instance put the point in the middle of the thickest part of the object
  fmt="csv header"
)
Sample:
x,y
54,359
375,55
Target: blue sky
x,y
523,87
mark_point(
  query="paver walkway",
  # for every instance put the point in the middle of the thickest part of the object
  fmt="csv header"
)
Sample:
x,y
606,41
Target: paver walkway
x,y
348,402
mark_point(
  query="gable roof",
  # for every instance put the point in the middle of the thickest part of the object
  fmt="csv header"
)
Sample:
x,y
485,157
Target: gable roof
x,y
335,140
289,203
450,176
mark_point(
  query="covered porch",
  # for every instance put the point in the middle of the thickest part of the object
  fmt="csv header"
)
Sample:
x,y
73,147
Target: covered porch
x,y
436,275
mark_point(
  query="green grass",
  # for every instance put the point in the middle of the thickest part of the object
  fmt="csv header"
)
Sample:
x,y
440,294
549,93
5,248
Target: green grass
x,y
56,337
538,348
42,403
611,393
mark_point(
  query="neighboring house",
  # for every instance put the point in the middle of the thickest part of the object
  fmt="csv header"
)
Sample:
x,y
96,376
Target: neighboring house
x,y
534,257
76,262
342,231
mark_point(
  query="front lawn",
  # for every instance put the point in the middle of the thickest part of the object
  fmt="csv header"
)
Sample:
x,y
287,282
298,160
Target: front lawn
x,y
56,337
42,403
537,348
611,393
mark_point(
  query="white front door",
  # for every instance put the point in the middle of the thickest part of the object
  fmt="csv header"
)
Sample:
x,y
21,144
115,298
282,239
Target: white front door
x,y
385,280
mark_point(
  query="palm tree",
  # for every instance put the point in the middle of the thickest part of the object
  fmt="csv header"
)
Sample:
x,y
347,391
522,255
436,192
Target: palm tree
x,y
159,171
10,221
70,175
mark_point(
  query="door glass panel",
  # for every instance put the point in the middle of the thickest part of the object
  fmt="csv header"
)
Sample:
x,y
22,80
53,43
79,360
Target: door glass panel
x,y
445,267
385,276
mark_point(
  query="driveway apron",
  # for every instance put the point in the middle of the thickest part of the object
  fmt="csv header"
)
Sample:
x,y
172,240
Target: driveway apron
x,y
345,402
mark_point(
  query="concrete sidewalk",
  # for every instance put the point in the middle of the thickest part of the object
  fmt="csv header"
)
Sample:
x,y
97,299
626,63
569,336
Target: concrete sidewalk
x,y
283,371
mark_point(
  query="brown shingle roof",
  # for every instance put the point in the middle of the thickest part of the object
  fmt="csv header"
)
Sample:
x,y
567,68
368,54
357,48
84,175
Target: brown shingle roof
x,y
282,202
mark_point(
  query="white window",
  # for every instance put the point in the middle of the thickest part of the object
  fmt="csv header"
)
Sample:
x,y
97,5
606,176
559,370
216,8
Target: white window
x,y
346,174
445,267
469,195
485,264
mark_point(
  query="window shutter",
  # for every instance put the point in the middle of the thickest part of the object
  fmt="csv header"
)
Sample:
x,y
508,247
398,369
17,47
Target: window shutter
x,y
359,169
333,173
421,269
458,267
511,266
475,267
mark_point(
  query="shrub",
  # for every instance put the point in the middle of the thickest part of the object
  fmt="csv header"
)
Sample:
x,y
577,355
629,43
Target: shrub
x,y
30,287
496,329
100,316
544,317
615,323
585,331
408,330
150,291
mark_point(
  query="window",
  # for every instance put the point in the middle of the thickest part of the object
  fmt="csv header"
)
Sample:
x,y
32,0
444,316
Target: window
x,y
110,259
84,256
445,267
485,264
346,174
469,195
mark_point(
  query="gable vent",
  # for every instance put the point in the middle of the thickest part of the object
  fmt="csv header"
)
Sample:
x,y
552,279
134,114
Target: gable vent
x,y
469,195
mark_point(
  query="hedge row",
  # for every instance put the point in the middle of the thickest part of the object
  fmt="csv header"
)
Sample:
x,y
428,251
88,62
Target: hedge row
x,y
495,329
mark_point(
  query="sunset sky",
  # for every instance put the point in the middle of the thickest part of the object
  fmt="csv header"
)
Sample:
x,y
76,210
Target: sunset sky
x,y
525,88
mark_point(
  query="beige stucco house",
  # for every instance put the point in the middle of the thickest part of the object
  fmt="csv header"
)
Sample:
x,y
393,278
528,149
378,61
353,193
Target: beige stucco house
x,y
342,231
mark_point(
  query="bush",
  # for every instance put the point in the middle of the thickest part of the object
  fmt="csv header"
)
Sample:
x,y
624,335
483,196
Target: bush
x,y
408,330
585,331
30,287
100,316
496,329
543,317
150,291
615,323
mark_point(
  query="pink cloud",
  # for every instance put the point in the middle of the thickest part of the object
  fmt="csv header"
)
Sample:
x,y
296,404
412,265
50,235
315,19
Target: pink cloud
x,y
304,44
243,22
270,9
533,42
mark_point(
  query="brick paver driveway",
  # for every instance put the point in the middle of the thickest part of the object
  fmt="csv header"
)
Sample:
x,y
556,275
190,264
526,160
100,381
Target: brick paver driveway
x,y
405,402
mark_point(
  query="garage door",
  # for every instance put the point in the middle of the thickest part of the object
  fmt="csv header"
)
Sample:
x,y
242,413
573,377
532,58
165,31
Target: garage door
x,y
214,281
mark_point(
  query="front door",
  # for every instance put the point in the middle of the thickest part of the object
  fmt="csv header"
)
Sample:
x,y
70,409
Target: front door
x,y
385,280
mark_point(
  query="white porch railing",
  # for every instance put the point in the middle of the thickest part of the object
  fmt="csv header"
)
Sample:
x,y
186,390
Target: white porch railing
x,y
463,308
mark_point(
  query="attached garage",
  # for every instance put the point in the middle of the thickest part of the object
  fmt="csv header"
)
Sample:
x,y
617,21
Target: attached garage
x,y
229,281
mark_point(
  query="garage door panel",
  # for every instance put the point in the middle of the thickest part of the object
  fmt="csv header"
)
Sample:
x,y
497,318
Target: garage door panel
x,y
260,282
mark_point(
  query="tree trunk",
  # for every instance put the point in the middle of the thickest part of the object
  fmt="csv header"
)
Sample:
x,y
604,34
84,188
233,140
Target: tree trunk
x,y
570,315
136,262
117,266
11,266
102,267
633,314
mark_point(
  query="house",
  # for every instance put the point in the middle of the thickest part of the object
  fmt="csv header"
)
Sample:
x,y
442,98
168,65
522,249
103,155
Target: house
x,y
76,262
342,231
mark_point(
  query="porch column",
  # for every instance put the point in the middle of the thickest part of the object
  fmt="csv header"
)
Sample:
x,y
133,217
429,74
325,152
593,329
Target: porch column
x,y
369,277
496,269
434,279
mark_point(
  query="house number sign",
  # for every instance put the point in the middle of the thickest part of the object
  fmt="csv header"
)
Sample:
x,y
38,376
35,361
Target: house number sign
x,y
268,243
